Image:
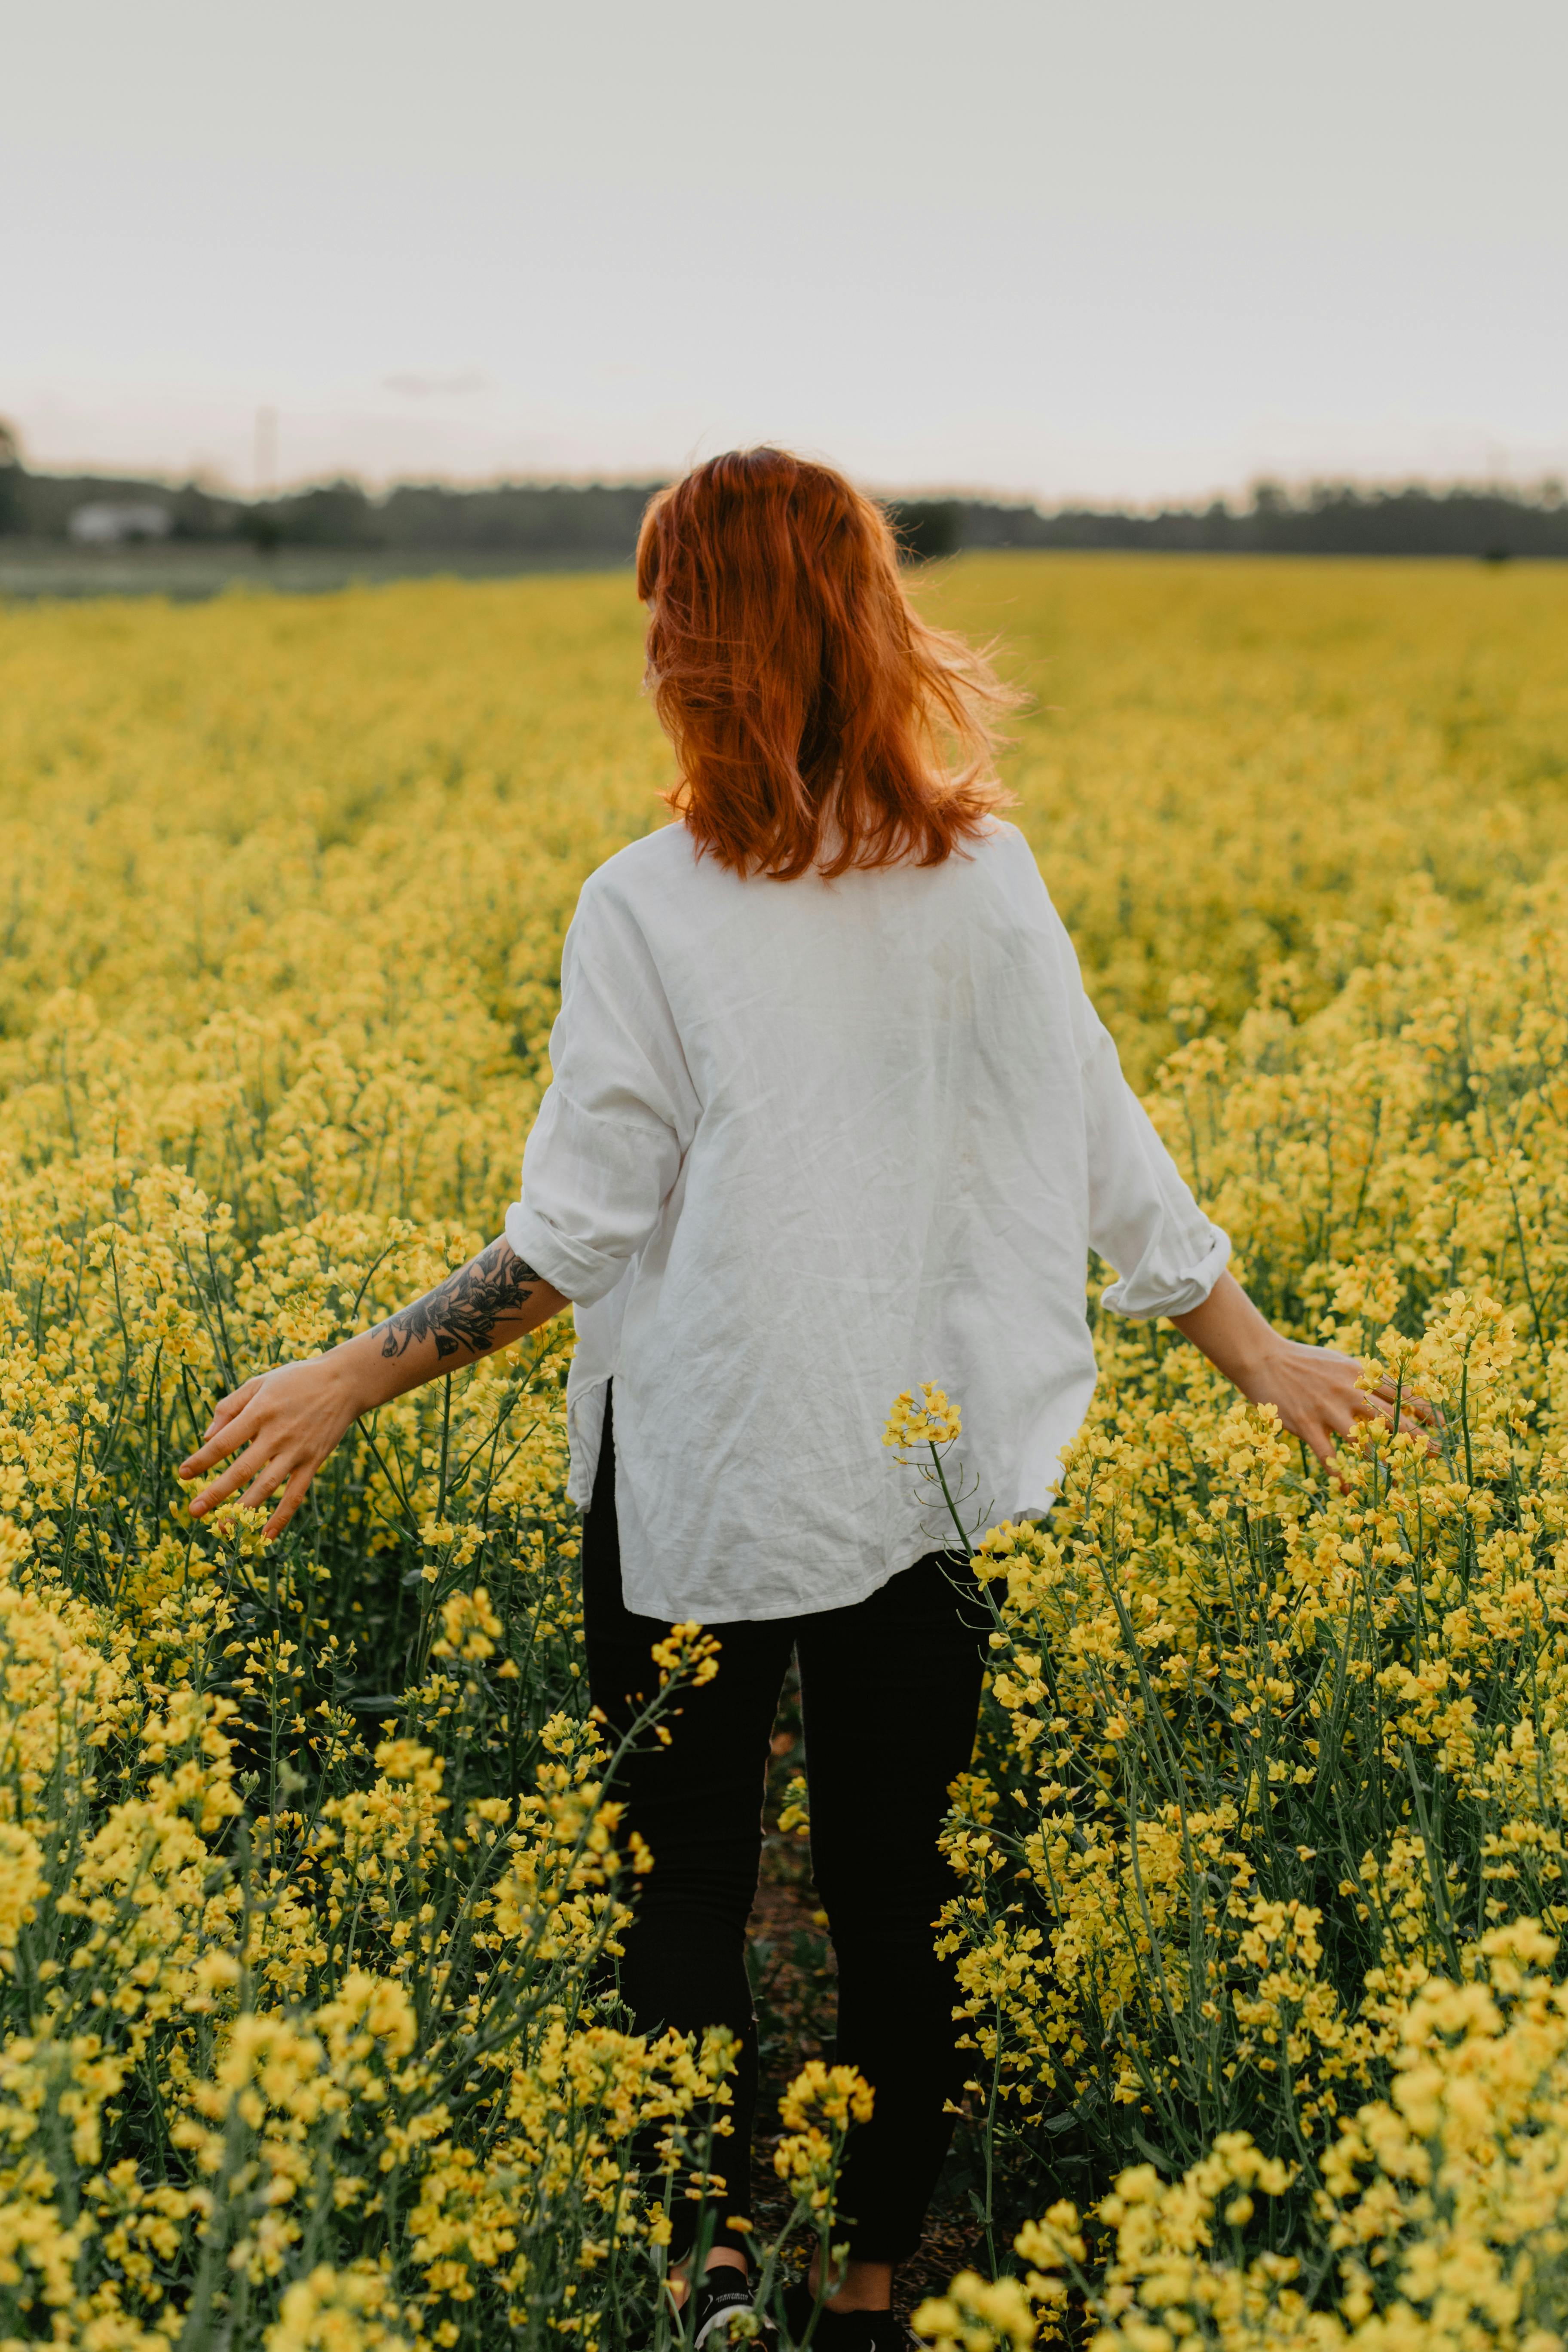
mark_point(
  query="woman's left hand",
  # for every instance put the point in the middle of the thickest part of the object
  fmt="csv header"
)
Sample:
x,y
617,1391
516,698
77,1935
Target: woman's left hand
x,y
1317,1393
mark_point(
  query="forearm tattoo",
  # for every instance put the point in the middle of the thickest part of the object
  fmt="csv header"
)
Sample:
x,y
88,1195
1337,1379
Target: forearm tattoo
x,y
463,1311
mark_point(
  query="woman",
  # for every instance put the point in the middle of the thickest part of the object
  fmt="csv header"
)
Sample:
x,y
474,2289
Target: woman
x,y
830,1115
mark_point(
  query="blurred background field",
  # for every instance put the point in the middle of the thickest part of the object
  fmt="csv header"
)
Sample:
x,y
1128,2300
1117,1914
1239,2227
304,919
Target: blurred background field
x,y
1222,761
188,571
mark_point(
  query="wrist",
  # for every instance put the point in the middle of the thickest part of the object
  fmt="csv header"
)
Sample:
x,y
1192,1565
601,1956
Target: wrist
x,y
1257,1373
353,1366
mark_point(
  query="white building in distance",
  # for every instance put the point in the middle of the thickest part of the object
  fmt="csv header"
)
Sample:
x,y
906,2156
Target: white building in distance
x,y
108,522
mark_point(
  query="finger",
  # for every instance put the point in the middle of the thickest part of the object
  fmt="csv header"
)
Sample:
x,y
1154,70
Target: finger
x,y
1326,1443
1329,1454
236,1402
1407,1415
237,1432
1378,1404
298,1487
266,1482
1402,1419
1412,1405
227,1481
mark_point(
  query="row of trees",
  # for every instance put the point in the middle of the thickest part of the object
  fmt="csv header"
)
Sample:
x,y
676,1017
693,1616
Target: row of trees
x,y
598,522
1328,518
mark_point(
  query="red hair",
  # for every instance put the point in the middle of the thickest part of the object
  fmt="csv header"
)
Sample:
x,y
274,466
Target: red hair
x,y
798,684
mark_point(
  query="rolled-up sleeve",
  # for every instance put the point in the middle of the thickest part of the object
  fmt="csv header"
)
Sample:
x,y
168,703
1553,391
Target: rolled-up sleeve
x,y
613,1128
1142,1220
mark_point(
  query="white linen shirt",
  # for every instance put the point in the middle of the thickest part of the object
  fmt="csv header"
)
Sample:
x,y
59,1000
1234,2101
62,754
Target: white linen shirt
x,y
811,1143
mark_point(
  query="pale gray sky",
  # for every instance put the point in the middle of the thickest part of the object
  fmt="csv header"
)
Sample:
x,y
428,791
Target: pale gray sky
x,y
1110,248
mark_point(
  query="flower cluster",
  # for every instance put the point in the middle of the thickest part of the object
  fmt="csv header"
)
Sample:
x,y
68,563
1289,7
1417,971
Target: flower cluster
x,y
933,1422
1440,2223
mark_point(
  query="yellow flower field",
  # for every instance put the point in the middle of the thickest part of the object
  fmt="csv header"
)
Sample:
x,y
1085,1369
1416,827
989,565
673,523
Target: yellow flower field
x,y
306,1893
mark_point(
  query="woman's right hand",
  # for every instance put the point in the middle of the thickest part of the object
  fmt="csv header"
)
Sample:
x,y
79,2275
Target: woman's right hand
x,y
281,1426
288,1421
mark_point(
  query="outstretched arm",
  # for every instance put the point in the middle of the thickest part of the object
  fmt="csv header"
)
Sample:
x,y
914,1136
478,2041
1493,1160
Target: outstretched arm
x,y
288,1421
1313,1389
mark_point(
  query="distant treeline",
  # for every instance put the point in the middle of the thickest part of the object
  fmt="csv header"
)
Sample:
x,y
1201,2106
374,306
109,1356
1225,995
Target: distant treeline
x,y
598,521
1328,518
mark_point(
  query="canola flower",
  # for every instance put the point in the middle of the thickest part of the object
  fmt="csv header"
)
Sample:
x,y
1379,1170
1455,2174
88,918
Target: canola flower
x,y
934,1421
922,1437
310,1888
1440,2222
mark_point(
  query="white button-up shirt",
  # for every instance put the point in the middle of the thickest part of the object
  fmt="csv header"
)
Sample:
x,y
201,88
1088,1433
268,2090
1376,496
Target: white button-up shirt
x,y
811,1143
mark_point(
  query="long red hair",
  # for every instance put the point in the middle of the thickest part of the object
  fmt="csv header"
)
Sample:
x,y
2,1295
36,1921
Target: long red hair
x,y
816,718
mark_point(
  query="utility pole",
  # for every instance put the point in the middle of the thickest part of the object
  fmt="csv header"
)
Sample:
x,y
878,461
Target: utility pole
x,y
266,469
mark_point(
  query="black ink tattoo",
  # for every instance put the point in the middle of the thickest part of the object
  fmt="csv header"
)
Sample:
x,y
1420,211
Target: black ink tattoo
x,y
463,1311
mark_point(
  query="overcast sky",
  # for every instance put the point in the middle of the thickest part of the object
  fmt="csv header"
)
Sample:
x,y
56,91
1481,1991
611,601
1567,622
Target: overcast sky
x,y
1124,248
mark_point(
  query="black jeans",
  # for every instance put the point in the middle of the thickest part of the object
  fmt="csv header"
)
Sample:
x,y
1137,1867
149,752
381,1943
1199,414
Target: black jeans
x,y
889,1694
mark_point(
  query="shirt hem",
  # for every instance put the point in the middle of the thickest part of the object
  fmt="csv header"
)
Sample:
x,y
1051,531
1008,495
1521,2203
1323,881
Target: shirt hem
x,y
691,1613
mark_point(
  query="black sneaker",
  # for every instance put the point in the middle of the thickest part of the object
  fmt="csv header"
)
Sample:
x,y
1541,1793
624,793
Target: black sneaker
x,y
716,2299
845,2331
